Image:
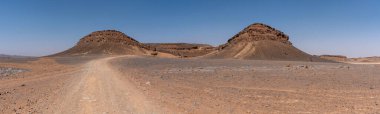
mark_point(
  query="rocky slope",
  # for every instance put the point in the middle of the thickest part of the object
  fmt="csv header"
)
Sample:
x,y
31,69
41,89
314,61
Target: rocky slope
x,y
106,42
262,42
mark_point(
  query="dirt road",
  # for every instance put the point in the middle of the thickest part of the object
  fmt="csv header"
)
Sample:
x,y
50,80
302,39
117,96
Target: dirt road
x,y
101,90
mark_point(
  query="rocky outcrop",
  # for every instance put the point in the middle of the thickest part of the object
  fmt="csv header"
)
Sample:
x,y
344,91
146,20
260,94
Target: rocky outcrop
x,y
259,31
106,37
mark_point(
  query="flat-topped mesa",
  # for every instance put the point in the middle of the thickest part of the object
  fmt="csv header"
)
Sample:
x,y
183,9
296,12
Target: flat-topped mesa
x,y
259,31
108,36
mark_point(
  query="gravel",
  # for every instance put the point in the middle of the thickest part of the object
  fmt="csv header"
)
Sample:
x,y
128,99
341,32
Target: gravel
x,y
10,71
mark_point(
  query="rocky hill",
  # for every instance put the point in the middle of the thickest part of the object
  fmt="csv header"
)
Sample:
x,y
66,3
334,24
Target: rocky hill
x,y
261,42
106,42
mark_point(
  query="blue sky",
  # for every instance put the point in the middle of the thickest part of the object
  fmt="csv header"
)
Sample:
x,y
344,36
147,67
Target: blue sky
x,y
42,27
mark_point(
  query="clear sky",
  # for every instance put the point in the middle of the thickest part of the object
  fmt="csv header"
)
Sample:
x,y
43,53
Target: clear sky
x,y
42,27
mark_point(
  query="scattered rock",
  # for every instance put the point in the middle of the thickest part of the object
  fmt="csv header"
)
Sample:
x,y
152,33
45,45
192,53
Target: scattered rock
x,y
147,83
10,71
154,53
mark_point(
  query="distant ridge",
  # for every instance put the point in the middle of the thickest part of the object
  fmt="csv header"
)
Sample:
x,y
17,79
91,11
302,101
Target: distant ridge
x,y
181,49
14,56
337,58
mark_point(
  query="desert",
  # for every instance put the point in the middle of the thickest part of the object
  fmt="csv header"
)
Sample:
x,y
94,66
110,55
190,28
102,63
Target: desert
x,y
189,57
109,72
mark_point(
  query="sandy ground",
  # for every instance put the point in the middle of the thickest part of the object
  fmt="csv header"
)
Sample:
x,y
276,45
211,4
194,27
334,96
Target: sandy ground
x,y
241,86
34,91
133,84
